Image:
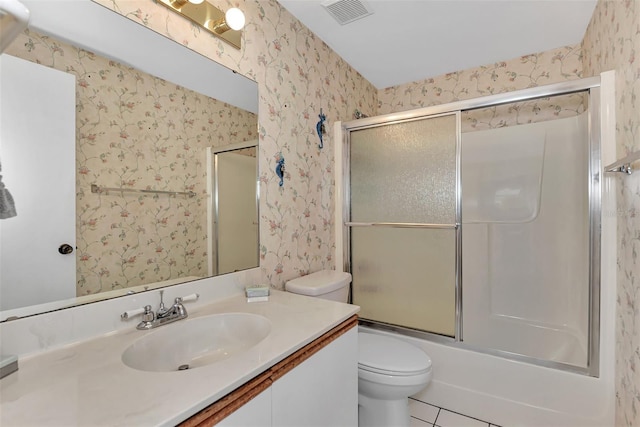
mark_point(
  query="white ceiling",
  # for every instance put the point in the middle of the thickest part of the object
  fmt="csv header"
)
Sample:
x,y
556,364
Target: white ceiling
x,y
409,40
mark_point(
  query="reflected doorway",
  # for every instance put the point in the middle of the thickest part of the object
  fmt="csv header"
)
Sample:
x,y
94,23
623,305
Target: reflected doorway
x,y
233,209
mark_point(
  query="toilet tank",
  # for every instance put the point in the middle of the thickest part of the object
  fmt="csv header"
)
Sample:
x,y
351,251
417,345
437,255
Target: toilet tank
x,y
326,284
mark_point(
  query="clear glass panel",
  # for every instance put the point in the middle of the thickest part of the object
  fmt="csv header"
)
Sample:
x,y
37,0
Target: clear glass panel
x,y
405,277
525,215
405,172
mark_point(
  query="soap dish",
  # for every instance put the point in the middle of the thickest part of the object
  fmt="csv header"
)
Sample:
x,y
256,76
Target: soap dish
x,y
257,291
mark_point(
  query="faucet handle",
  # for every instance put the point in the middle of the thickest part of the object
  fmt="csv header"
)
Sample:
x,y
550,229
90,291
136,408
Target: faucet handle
x,y
187,298
145,311
182,312
148,315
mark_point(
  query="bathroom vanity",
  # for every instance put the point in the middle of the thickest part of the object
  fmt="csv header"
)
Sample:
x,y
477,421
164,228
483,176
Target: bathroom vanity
x,y
322,369
304,369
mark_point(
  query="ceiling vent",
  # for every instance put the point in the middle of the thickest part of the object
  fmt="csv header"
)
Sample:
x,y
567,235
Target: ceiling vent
x,y
345,11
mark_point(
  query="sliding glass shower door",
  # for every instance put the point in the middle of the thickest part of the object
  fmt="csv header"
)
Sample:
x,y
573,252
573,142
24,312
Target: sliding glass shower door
x,y
520,173
404,222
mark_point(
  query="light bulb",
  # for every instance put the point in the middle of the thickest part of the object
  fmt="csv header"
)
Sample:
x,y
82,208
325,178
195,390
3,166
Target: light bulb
x,y
235,18
196,1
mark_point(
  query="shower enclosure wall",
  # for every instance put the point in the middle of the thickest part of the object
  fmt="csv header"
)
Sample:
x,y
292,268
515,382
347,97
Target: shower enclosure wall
x,y
526,238
476,225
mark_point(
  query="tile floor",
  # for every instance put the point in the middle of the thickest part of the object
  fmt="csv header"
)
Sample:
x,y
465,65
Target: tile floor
x,y
423,415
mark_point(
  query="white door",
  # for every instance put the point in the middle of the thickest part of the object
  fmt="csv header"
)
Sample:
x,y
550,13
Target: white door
x,y
37,152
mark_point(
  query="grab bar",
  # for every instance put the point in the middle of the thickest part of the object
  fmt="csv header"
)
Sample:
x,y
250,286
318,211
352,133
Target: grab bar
x,y
403,225
98,189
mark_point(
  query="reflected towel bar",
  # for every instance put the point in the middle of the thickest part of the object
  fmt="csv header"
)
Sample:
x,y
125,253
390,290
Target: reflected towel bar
x,y
624,165
97,189
402,225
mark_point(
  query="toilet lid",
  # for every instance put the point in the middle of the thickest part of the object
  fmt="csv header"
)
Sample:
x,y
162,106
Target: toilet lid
x,y
319,283
391,356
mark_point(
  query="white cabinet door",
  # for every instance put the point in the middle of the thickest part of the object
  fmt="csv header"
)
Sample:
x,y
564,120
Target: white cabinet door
x,y
255,413
323,390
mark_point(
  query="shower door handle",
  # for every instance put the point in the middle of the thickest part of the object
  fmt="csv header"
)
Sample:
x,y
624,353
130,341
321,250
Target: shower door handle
x,y
403,225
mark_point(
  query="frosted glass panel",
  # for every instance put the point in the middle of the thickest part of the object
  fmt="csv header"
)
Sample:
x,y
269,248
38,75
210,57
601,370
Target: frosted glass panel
x,y
405,172
405,277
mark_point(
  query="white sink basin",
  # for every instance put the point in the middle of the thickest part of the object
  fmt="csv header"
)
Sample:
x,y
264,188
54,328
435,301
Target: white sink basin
x,y
193,343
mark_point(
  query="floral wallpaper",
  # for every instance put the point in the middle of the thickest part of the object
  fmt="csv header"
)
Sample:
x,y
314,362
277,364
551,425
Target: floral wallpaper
x,y
525,112
527,71
297,75
519,73
612,42
137,131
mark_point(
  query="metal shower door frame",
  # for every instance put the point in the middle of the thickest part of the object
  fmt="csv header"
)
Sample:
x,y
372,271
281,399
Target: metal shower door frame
x,y
457,225
592,87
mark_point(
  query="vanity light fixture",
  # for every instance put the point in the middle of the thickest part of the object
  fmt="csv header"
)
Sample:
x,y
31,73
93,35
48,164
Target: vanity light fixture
x,y
234,17
227,26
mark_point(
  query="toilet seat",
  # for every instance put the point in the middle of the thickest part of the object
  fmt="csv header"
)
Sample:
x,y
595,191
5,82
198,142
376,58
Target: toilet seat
x,y
390,356
419,380
392,373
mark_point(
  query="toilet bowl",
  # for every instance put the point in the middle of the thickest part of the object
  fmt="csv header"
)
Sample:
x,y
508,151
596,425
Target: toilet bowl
x,y
389,369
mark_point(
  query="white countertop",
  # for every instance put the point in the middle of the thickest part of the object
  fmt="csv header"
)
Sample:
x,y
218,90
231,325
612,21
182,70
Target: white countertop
x,y
87,384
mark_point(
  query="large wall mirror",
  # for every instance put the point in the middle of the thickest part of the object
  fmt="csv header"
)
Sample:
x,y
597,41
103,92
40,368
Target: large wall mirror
x,y
109,139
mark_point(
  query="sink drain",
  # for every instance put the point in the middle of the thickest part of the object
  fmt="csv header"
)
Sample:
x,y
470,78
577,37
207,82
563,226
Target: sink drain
x,y
183,367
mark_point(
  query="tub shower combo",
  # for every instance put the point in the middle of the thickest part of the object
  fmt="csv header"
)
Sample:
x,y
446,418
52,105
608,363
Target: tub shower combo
x,y
476,224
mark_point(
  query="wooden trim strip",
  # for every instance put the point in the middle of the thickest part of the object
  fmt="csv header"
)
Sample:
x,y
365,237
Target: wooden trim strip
x,y
281,368
224,407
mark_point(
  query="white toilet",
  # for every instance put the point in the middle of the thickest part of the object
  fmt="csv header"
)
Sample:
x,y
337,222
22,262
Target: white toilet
x,y
389,370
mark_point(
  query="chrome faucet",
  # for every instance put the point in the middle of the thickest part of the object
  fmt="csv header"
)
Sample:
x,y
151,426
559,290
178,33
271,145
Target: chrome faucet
x,y
164,315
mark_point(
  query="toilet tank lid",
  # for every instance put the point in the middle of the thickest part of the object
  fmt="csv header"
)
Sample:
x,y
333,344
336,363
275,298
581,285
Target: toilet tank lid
x,y
382,353
319,283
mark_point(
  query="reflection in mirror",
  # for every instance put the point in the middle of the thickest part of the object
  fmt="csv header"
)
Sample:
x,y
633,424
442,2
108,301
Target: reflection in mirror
x,y
233,174
123,128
